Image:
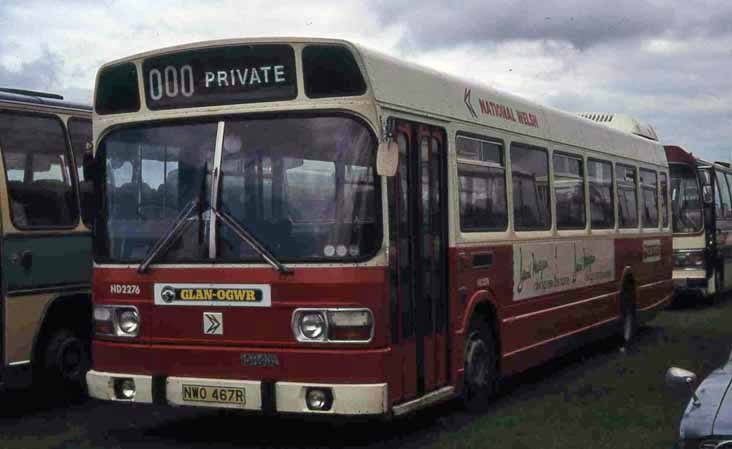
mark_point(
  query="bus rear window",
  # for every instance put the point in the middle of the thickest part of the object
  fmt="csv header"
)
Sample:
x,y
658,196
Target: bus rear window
x,y
117,90
331,72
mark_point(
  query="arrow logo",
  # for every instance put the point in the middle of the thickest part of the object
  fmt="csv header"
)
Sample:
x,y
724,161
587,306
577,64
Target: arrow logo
x,y
466,99
213,323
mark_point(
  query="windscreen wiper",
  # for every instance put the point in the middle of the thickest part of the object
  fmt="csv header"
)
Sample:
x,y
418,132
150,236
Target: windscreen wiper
x,y
163,243
247,236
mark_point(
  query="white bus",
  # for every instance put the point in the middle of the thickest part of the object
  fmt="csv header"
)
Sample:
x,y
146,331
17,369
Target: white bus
x,y
309,226
702,224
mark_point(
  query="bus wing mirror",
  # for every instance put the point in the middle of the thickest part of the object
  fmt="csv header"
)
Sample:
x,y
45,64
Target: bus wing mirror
x,y
707,194
387,158
678,378
87,164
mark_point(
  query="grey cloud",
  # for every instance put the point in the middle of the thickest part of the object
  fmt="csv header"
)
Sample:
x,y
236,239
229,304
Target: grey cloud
x,y
690,72
77,94
434,24
705,133
41,73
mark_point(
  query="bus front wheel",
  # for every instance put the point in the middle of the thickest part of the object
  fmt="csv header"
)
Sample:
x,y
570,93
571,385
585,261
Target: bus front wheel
x,y
481,373
65,359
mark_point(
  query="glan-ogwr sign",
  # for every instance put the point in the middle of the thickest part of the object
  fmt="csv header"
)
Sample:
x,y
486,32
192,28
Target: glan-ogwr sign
x,y
247,295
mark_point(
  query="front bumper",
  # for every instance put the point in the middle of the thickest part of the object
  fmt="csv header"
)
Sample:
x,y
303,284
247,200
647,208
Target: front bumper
x,y
692,282
280,397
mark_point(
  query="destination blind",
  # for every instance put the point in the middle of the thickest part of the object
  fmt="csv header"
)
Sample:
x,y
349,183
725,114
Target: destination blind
x,y
223,75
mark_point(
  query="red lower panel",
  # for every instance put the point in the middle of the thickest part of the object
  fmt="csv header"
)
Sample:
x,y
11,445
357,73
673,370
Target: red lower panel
x,y
429,363
539,328
648,295
441,359
336,366
522,331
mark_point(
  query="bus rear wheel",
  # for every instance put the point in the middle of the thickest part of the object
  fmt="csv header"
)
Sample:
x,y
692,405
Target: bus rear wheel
x,y
481,373
716,297
66,359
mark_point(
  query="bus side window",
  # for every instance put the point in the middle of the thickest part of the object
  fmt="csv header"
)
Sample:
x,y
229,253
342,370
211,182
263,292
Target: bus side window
x,y
729,182
717,200
37,165
723,192
649,198
627,188
80,133
482,177
664,200
530,173
602,207
569,191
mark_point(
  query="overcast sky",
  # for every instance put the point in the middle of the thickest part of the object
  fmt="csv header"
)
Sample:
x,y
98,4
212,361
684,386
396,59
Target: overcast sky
x,y
668,63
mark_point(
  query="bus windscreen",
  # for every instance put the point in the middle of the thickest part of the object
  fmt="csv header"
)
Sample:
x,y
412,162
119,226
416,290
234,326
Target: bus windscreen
x,y
685,200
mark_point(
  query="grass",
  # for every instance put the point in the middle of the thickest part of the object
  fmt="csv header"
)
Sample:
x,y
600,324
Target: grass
x,y
601,396
597,397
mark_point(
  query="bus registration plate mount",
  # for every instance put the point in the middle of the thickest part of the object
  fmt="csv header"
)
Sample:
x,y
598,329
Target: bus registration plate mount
x,y
212,394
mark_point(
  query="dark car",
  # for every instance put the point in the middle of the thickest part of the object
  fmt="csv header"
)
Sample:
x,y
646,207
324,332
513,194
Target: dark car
x,y
707,420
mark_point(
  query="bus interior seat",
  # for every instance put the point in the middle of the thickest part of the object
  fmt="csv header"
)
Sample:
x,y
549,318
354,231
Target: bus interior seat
x,y
124,203
42,202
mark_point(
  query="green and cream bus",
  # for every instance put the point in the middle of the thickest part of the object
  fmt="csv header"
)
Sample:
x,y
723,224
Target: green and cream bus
x,y
46,239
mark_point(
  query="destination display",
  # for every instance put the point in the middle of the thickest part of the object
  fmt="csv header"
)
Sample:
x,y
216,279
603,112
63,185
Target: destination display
x,y
222,75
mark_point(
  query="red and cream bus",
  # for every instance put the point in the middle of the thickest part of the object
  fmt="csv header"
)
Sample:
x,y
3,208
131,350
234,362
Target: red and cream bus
x,y
308,226
702,224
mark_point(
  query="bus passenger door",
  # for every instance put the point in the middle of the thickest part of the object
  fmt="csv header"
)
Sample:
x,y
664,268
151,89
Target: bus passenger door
x,y
418,237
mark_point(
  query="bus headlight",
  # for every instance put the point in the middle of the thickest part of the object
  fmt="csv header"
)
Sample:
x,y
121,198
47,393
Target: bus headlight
x,y
333,325
129,322
125,389
116,321
312,325
689,259
319,399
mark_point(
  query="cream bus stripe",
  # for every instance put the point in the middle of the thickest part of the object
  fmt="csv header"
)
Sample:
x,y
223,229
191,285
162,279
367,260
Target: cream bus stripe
x,y
653,284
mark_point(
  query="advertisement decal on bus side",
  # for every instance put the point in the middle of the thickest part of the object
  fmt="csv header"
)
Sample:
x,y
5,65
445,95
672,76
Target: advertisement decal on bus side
x,y
550,267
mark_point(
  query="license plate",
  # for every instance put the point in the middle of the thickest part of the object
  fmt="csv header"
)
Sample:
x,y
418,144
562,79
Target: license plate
x,y
221,395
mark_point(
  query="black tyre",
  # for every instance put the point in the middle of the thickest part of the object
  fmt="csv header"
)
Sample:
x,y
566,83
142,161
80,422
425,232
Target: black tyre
x,y
629,317
481,367
717,295
65,359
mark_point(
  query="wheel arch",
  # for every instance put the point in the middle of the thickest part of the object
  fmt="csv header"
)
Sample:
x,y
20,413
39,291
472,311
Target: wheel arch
x,y
483,305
